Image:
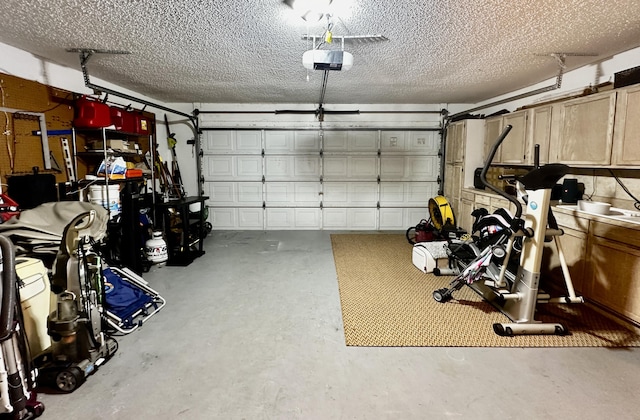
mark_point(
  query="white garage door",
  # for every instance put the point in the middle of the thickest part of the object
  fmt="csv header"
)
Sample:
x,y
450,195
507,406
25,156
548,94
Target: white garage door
x,y
311,179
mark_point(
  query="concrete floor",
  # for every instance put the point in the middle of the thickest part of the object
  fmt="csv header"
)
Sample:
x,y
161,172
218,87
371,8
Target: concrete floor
x,y
253,330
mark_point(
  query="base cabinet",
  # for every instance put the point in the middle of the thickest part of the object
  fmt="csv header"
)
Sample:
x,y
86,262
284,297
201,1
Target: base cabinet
x,y
613,273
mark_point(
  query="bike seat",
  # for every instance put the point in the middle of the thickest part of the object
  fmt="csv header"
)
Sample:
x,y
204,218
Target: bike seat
x,y
545,177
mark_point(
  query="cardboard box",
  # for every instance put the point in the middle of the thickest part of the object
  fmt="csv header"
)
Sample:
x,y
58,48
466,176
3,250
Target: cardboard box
x,y
120,145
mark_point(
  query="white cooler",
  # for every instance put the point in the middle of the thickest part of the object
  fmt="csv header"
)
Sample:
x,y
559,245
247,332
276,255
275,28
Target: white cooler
x,y
35,299
429,255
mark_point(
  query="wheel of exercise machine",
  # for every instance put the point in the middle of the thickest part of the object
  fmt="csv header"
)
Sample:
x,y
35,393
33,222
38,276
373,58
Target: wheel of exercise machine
x,y
442,295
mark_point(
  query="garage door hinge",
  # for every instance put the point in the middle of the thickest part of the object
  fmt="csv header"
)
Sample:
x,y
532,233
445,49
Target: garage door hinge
x,y
321,152
439,180
321,205
378,179
378,205
262,152
201,153
202,179
379,152
263,180
264,205
321,179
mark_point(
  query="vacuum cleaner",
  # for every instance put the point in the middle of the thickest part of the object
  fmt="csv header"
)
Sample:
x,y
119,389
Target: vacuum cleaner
x,y
79,345
17,378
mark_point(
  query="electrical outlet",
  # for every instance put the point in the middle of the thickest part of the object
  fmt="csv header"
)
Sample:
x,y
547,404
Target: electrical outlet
x,y
393,141
422,141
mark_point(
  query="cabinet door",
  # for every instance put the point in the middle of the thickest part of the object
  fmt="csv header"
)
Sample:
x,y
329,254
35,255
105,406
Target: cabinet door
x,y
612,276
539,133
455,142
626,144
492,129
514,146
586,133
455,181
448,181
464,218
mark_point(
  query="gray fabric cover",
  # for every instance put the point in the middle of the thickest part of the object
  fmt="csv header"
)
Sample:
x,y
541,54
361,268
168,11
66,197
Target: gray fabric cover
x,y
40,229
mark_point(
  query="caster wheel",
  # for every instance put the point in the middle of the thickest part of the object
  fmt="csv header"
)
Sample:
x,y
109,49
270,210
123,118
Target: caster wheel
x,y
441,295
38,409
502,331
69,379
561,330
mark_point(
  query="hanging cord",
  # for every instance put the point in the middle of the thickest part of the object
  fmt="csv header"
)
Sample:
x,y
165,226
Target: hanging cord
x,y
636,203
7,131
595,186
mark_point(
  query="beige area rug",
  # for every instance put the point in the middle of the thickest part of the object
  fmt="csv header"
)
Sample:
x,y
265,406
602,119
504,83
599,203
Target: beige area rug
x,y
386,301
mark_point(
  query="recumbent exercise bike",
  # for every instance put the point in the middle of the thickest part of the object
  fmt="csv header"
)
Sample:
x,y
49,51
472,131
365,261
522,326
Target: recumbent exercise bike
x,y
514,289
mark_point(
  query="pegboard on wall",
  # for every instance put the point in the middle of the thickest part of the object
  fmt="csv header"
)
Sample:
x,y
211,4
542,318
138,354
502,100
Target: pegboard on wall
x,y
21,147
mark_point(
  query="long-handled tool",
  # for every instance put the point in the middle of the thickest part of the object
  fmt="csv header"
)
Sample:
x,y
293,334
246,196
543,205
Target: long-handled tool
x,y
175,168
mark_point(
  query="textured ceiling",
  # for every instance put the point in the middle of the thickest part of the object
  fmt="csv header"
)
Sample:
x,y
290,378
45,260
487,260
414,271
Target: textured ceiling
x,y
241,51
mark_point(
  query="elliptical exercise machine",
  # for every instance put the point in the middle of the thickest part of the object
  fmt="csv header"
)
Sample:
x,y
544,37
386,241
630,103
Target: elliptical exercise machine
x,y
517,295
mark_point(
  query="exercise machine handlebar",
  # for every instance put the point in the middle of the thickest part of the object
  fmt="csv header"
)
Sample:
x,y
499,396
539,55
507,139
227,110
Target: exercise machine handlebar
x,y
485,169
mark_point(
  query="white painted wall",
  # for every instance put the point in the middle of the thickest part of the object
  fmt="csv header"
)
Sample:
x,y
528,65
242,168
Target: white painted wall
x,y
572,82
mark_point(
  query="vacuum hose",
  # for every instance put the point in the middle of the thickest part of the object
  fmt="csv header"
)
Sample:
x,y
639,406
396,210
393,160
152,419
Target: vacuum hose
x,y
8,288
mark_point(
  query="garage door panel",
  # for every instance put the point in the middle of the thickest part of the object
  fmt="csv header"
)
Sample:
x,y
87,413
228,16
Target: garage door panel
x,y
362,180
249,167
250,218
306,142
289,218
218,142
230,141
421,168
424,142
363,141
409,168
292,194
335,167
363,194
307,218
249,142
392,193
223,218
335,194
393,142
221,193
335,141
302,168
218,167
363,167
392,218
249,193
234,193
419,193
306,168
278,141
391,168
362,218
